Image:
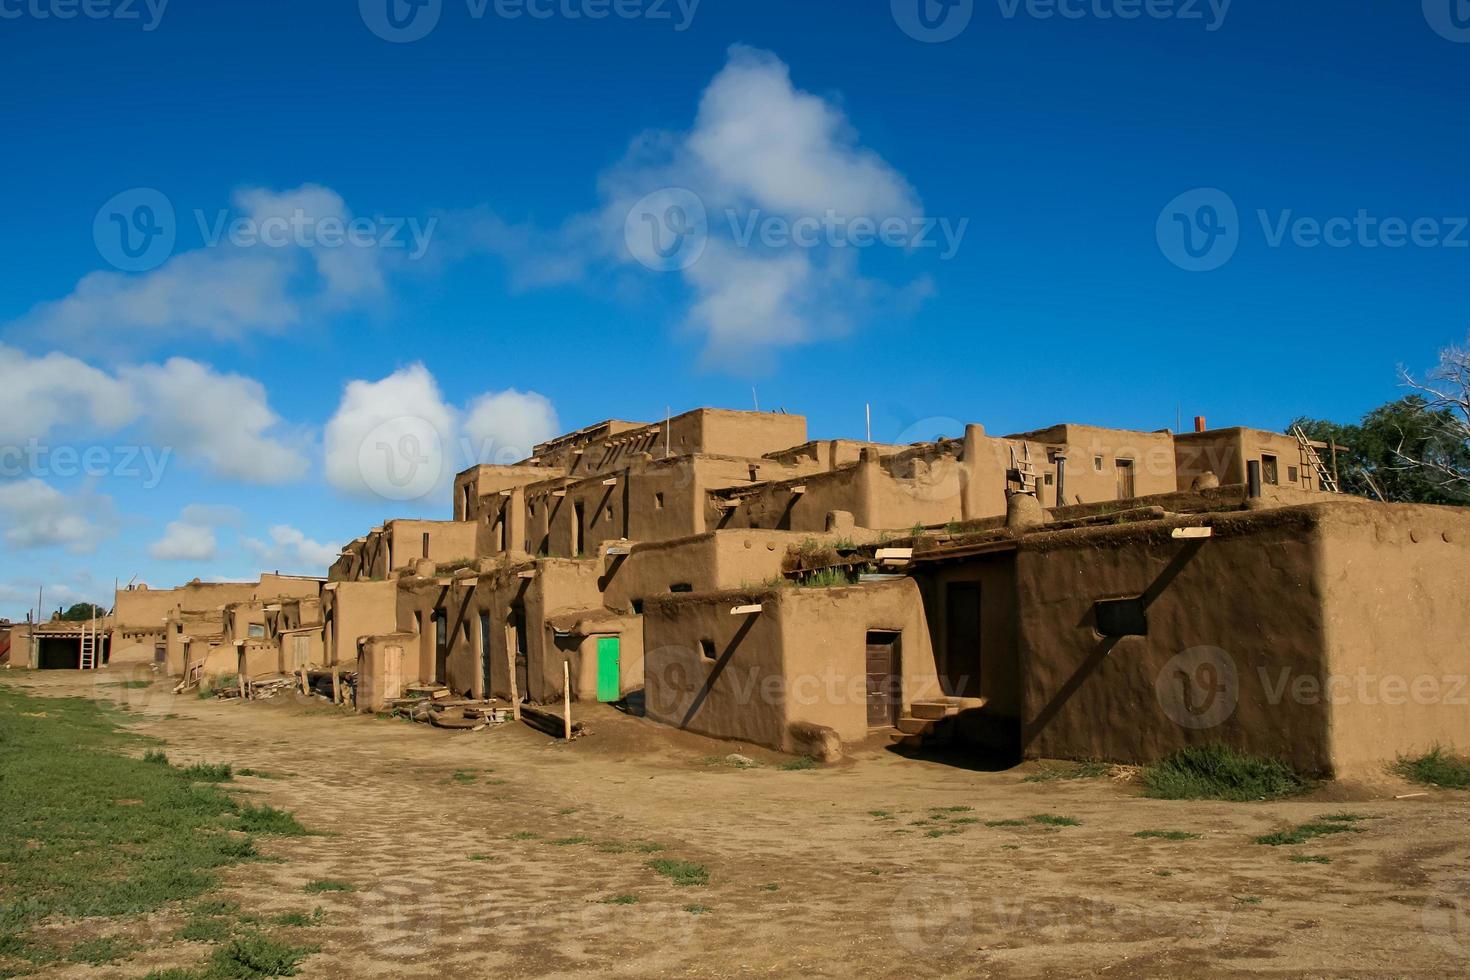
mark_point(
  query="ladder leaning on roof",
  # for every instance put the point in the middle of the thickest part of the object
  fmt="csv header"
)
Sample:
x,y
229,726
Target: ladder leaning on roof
x,y
1310,458
88,646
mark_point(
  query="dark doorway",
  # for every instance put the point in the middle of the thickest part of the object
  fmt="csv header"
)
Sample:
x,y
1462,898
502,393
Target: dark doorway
x,y
962,655
523,660
883,679
485,687
441,647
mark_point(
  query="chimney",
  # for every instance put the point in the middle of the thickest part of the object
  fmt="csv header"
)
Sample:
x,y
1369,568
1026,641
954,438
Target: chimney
x,y
1199,423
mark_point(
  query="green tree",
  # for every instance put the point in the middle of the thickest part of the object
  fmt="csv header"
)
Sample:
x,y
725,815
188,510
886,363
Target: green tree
x,y
80,612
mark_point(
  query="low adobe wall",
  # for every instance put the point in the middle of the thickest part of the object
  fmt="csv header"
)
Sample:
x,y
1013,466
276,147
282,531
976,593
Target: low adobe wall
x,y
801,661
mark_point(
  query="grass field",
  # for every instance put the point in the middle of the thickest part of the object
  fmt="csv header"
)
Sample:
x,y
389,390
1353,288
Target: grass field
x,y
93,830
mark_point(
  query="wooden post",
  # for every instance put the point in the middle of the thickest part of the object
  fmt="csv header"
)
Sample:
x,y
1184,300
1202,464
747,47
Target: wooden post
x,y
566,697
305,686
510,659
241,678
336,686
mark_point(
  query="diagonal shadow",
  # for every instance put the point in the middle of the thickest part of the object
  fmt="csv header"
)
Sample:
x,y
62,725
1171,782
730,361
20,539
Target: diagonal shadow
x,y
719,669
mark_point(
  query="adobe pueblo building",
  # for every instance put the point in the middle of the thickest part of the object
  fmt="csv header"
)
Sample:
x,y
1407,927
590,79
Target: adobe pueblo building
x,y
1070,592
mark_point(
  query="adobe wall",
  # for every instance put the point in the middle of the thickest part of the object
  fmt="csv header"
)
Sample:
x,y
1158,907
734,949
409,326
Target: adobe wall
x,y
705,563
353,610
1219,612
1093,454
449,541
990,669
1225,452
802,659
1397,617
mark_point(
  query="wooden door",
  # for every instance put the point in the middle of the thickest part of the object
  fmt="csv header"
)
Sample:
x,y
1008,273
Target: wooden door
x,y
883,679
1125,479
609,669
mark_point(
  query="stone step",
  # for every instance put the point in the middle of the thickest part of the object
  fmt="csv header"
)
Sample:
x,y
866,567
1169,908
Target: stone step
x,y
931,710
915,726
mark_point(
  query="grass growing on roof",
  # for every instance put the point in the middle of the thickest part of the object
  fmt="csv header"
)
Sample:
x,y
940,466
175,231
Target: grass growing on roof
x,y
70,793
1437,767
1216,772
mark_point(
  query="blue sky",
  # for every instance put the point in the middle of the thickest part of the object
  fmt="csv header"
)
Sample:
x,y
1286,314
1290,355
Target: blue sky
x,y
1038,170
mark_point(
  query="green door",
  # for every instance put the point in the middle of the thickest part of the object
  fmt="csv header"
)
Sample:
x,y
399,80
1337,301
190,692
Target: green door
x,y
609,657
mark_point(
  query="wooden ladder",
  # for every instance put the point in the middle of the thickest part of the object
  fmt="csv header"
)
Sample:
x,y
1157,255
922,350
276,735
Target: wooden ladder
x,y
1310,458
1024,469
88,659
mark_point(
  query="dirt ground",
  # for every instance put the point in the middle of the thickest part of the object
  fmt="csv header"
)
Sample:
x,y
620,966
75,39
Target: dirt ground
x,y
815,873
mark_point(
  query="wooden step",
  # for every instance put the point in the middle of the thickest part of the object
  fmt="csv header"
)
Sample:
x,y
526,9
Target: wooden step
x,y
915,726
931,710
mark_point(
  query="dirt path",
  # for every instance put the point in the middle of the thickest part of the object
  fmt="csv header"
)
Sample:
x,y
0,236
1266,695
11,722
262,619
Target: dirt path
x,y
512,874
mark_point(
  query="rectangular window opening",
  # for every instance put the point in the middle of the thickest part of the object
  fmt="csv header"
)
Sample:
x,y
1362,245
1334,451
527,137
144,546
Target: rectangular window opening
x,y
1121,617
707,648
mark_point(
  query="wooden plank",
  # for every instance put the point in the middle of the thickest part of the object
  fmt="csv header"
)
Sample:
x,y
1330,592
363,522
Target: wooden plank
x,y
746,610
1191,532
566,697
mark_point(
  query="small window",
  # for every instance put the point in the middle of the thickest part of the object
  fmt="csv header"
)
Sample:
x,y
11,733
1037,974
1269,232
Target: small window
x,y
1097,464
1049,479
681,587
707,648
255,630
658,501
638,607
1268,469
1121,617
1291,474
609,516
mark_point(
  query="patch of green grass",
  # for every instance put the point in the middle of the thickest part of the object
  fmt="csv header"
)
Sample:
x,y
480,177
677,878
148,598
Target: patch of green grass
x,y
621,900
300,919
1248,899
571,841
261,774
1005,823
950,809
1343,817
1082,770
479,857
566,811
90,829
685,874
523,835
1306,832
799,764
205,929
206,772
98,952
267,819
1215,772
964,820
1053,820
462,776
772,887
329,885
625,847
698,909
1437,767
941,832
256,955
1311,859
1164,874
880,814
1166,835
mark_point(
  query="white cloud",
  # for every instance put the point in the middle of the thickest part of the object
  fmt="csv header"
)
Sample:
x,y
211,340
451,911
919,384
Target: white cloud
x,y
191,537
39,393
760,148
236,285
289,550
504,427
224,420
182,541
395,439
37,515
